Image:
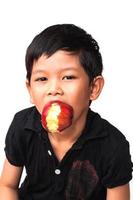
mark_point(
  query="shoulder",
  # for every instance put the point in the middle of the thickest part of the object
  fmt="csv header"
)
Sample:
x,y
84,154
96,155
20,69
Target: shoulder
x,y
108,150
25,118
24,114
102,128
20,133
115,137
117,165
22,120
108,137
116,147
112,130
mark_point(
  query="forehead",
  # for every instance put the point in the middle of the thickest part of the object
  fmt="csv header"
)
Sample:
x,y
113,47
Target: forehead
x,y
60,59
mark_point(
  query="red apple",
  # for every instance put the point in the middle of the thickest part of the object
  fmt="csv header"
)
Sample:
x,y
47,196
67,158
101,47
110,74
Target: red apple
x,y
56,116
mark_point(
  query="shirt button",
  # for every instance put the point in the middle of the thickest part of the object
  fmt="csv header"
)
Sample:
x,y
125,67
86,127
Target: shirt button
x,y
57,171
49,152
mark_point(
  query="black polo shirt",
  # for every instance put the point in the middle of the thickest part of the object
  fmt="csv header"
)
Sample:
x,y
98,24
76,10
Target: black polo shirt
x,y
99,159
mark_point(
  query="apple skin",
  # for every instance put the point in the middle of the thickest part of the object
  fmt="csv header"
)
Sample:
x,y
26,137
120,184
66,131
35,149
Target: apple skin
x,y
63,117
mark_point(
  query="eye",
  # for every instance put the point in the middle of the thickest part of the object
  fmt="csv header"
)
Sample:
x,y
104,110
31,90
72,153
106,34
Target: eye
x,y
70,77
41,79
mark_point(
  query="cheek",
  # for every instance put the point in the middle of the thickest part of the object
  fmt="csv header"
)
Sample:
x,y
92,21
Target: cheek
x,y
79,96
82,91
37,97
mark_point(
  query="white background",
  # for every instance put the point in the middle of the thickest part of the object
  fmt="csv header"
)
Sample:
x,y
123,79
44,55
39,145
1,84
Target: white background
x,y
109,22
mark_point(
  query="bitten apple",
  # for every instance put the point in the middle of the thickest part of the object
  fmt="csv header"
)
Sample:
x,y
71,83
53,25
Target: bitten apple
x,y
56,116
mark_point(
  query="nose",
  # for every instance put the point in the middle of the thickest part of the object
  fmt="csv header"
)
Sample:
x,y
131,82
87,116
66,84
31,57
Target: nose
x,y
55,89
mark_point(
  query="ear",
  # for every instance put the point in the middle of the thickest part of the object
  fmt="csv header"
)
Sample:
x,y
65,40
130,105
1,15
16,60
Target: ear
x,y
29,90
96,87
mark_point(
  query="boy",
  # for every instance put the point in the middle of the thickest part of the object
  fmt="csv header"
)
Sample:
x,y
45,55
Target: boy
x,y
89,158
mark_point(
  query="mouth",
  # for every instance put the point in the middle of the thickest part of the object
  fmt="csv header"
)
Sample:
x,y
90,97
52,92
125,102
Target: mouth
x,y
56,116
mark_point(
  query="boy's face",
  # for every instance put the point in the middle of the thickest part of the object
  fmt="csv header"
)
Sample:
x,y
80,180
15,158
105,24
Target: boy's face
x,y
60,77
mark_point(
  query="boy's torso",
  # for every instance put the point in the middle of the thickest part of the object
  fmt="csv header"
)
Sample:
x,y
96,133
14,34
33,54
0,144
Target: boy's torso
x,y
80,174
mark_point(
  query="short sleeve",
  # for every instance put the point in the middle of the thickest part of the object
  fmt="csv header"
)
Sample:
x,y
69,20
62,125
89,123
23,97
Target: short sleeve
x,y
119,167
14,144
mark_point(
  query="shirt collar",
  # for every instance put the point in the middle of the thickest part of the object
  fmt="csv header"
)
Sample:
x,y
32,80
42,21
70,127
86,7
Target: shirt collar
x,y
34,121
95,126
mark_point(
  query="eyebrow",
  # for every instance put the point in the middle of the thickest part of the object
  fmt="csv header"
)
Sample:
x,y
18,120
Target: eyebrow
x,y
38,71
43,71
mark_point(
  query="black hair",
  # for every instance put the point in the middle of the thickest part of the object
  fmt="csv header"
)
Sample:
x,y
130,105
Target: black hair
x,y
70,38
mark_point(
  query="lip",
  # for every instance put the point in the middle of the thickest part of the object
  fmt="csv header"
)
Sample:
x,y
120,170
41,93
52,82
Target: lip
x,y
55,101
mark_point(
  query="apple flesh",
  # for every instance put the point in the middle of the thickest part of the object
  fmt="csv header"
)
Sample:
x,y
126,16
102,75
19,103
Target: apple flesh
x,y
56,116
